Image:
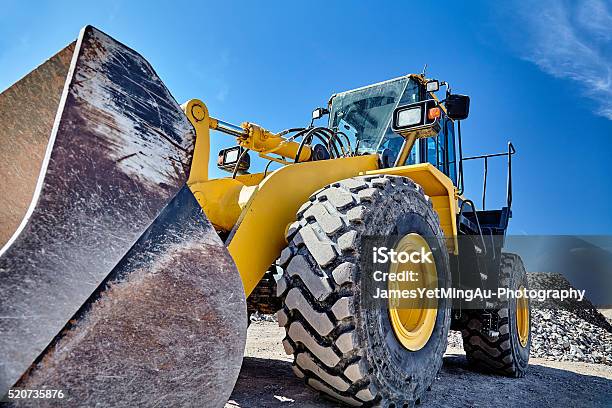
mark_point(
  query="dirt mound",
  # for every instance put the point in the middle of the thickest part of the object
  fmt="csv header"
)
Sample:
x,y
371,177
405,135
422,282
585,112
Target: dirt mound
x,y
583,310
563,331
568,330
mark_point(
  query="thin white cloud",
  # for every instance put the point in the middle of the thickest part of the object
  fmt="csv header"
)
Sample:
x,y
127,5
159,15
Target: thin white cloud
x,y
223,92
570,40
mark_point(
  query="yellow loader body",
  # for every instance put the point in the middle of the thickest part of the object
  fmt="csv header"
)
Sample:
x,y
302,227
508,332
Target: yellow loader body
x,y
256,209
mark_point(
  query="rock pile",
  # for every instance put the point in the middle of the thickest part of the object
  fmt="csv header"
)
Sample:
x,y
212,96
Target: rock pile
x,y
262,317
583,310
568,331
558,334
455,340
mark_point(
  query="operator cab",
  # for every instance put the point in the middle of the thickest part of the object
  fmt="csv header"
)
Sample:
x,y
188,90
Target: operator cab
x,y
365,114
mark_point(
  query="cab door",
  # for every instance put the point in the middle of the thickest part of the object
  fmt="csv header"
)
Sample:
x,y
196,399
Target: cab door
x,y
440,150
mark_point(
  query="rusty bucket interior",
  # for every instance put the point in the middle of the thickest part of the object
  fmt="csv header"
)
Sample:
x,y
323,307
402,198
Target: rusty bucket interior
x,y
27,112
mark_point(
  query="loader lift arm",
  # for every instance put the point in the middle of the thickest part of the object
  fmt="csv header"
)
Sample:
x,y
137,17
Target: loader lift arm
x,y
249,136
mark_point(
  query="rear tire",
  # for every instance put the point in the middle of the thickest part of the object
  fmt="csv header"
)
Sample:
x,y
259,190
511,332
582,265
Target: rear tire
x,y
341,347
505,354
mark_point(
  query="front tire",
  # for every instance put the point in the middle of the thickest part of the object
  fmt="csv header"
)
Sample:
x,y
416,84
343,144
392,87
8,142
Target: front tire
x,y
342,347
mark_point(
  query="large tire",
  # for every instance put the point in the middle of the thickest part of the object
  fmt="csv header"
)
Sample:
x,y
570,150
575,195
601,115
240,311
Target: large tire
x,y
341,347
503,354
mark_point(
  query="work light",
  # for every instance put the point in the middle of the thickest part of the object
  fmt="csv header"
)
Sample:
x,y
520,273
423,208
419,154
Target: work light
x,y
409,117
421,119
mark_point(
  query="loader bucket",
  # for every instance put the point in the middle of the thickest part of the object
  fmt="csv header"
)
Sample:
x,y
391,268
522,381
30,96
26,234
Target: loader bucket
x,y
114,286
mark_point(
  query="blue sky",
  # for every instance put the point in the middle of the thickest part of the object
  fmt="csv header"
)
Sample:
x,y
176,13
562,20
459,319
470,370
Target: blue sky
x,y
538,73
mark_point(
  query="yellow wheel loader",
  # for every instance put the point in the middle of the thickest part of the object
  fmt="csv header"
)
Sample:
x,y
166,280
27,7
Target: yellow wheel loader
x,y
125,269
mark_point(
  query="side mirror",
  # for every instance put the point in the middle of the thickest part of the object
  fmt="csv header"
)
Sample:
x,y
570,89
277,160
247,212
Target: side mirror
x,y
420,119
433,85
318,113
457,106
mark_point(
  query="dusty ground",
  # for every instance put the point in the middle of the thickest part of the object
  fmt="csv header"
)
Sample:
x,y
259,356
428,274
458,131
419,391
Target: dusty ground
x,y
266,380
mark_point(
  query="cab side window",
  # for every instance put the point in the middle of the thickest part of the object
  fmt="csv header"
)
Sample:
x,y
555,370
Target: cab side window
x,y
392,140
440,150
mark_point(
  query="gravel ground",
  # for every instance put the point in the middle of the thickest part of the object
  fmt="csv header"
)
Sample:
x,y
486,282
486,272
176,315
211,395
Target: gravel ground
x,y
266,380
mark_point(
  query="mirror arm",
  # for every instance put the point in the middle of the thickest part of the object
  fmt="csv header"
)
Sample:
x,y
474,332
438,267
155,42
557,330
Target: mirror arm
x,y
405,151
448,87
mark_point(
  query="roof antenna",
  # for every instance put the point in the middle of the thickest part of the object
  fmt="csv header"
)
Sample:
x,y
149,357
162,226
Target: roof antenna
x,y
424,69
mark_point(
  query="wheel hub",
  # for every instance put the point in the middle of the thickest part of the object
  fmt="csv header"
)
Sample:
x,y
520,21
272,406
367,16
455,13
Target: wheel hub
x,y
413,320
522,318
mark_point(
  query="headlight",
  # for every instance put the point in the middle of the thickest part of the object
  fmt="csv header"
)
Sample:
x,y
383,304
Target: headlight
x,y
231,156
419,119
409,117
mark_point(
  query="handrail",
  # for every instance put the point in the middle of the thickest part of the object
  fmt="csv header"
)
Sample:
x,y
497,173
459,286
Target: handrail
x,y
511,151
471,203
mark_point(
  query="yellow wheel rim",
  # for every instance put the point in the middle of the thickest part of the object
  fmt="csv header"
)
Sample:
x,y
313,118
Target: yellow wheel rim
x,y
522,319
413,320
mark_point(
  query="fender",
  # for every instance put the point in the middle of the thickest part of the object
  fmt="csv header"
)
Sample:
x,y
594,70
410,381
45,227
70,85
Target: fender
x,y
439,188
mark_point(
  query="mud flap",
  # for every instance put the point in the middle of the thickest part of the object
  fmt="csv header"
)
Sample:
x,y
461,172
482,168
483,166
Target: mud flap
x,y
114,287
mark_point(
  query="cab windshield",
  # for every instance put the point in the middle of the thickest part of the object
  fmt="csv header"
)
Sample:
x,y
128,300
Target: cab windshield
x,y
364,114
